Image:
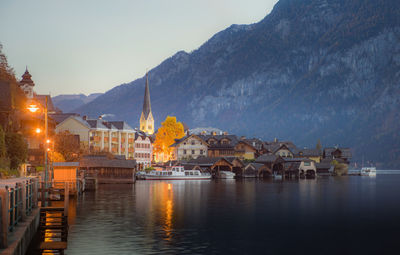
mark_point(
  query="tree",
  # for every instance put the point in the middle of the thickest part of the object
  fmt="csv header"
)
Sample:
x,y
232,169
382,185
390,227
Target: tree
x,y
3,150
169,131
67,145
17,149
318,146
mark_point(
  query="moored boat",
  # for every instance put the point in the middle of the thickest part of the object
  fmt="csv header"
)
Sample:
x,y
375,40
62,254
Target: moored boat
x,y
177,173
226,175
368,171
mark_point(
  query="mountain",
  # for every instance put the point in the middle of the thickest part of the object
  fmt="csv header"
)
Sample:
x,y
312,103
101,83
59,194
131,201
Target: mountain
x,y
67,103
311,69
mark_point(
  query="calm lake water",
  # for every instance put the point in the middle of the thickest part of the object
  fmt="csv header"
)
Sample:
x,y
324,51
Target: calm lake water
x,y
342,215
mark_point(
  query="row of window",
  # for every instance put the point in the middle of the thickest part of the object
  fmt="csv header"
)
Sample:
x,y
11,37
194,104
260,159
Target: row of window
x,y
142,145
142,155
193,152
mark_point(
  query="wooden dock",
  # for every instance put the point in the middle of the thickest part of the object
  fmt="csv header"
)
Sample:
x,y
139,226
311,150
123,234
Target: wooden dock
x,y
53,224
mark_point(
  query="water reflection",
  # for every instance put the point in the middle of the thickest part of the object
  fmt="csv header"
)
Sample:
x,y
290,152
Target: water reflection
x,y
234,217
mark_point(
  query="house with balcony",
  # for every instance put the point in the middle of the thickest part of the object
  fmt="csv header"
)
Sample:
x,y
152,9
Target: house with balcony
x,y
97,135
189,147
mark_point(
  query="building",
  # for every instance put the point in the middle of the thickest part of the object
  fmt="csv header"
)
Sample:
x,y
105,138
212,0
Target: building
x,y
146,118
244,149
342,155
27,84
143,150
220,145
189,147
312,154
106,170
97,135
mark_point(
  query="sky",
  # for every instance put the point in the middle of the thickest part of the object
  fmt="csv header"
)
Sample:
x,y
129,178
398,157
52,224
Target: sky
x,y
91,46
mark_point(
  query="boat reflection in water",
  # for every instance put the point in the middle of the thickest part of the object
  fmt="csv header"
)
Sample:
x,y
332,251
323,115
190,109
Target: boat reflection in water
x,y
238,217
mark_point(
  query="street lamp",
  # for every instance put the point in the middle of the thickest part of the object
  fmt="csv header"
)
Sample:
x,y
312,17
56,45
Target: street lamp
x,y
34,108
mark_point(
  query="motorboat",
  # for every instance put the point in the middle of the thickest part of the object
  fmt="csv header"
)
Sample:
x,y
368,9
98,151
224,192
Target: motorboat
x,y
368,171
177,173
226,175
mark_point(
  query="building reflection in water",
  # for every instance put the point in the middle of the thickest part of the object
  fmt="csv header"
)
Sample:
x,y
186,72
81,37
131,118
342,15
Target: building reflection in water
x,y
164,203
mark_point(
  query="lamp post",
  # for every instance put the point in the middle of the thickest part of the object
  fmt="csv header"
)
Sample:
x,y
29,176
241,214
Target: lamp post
x,y
34,108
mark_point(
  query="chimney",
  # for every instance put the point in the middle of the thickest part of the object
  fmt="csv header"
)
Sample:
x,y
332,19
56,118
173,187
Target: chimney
x,y
84,117
242,137
100,117
213,133
276,140
225,133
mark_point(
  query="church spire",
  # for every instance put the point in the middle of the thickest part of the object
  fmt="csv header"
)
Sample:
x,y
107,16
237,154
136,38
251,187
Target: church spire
x,y
146,101
146,119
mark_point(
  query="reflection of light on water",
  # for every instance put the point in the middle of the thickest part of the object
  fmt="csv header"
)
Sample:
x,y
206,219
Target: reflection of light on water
x,y
168,220
169,186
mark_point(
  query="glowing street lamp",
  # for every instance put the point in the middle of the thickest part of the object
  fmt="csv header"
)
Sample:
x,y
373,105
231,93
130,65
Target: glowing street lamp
x,y
32,107
38,130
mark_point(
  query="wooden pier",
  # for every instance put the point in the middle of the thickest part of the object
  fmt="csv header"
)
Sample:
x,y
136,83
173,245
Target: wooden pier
x,y
53,224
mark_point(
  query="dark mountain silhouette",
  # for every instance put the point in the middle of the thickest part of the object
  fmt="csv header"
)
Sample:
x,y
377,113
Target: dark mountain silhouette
x,y
311,69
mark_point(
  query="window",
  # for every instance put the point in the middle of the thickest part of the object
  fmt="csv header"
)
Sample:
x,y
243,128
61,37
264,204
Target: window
x,y
193,151
307,163
149,126
225,142
142,127
184,152
201,152
193,142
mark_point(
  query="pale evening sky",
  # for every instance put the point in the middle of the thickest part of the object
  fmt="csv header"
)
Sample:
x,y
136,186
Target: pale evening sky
x,y
88,46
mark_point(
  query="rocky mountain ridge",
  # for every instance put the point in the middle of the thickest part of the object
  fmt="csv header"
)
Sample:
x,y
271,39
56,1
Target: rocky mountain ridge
x,y
311,69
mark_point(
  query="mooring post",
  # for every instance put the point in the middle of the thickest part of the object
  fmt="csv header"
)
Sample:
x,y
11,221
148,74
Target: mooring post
x,y
66,198
4,218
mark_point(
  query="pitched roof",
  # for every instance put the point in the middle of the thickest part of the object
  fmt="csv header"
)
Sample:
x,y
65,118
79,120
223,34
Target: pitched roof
x,y
146,101
266,158
310,152
60,117
103,161
121,125
256,143
41,99
27,78
256,166
207,161
96,124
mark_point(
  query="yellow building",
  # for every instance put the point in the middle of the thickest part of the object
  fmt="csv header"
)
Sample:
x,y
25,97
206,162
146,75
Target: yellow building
x,y
146,118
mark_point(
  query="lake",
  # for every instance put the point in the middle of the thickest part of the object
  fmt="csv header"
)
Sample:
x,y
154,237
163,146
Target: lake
x,y
330,215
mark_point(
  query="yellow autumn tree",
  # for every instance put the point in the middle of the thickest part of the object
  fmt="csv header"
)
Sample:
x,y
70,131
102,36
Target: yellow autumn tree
x,y
169,131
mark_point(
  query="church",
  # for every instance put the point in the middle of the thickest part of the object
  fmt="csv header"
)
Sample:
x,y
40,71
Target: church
x,y
146,118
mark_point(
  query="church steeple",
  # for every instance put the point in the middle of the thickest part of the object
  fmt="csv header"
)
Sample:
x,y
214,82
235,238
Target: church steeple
x,y
26,84
146,118
146,101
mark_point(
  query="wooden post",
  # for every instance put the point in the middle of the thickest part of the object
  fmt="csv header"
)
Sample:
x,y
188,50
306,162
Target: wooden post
x,y
66,198
5,218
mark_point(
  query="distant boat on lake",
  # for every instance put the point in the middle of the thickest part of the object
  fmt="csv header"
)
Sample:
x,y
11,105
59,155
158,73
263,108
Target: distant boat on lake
x,y
368,171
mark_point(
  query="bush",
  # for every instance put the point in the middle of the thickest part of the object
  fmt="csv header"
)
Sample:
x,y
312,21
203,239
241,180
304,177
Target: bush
x,y
340,168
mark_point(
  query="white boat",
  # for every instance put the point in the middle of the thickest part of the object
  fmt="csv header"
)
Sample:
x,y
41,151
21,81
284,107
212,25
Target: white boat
x,y
177,173
368,171
226,175
277,176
